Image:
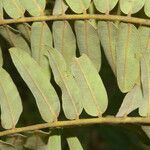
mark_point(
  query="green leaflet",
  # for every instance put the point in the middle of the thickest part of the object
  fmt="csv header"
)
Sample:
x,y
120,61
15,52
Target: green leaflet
x,y
1,9
74,143
144,33
14,38
17,140
104,6
34,7
60,7
131,6
54,142
127,48
13,8
11,106
147,8
80,6
95,99
35,140
88,42
130,102
71,96
25,30
41,39
6,146
144,109
108,36
64,40
45,95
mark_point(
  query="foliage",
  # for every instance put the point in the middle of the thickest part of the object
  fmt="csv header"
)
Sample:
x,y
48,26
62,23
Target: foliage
x,y
61,64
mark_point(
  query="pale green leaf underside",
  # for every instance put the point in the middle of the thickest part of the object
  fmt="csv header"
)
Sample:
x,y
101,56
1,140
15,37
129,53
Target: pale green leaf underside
x,y
147,8
130,102
64,40
1,9
45,95
74,143
34,7
25,30
108,36
88,42
131,6
11,106
79,6
95,99
14,38
60,7
127,49
144,33
41,39
144,109
71,96
54,142
104,6
13,8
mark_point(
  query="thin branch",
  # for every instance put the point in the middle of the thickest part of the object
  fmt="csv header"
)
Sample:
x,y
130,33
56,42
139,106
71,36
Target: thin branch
x,y
79,122
77,17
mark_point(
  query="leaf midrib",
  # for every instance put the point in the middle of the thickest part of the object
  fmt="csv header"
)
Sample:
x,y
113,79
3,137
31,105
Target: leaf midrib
x,y
36,85
65,86
88,85
125,49
110,44
9,107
